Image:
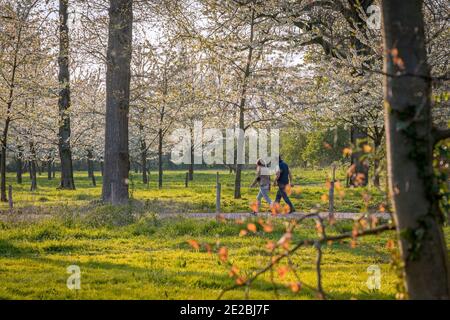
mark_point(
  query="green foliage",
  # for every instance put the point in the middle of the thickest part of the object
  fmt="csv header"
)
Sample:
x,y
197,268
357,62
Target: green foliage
x,y
316,147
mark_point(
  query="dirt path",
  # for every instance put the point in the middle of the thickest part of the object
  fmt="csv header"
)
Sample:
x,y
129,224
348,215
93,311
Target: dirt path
x,y
6,216
296,215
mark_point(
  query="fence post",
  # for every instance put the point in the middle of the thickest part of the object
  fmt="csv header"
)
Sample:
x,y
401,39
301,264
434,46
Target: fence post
x,y
218,189
186,181
331,193
10,198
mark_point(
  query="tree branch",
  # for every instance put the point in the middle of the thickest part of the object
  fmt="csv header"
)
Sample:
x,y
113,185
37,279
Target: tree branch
x,y
309,242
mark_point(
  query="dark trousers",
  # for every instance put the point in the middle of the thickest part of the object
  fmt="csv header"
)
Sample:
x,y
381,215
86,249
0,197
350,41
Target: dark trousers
x,y
281,193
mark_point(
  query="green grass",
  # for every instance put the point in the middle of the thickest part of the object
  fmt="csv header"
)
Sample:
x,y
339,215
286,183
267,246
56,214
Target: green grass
x,y
198,197
131,253
149,258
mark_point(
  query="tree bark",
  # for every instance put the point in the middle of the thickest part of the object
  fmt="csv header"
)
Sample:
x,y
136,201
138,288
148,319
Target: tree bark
x,y
3,197
49,169
407,89
65,152
240,144
19,168
53,170
116,160
90,163
191,164
377,161
143,146
160,164
33,177
33,168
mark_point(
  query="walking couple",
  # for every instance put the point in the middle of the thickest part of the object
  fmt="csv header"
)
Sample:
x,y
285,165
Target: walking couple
x,y
282,179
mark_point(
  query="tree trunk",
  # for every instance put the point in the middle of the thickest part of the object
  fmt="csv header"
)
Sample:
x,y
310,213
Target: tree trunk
x,y
191,164
407,89
3,169
19,167
90,163
144,161
33,168
240,149
65,152
160,164
117,162
33,175
49,169
240,144
377,161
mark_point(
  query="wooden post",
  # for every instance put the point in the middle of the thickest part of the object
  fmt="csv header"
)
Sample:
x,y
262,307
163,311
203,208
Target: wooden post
x,y
218,189
10,199
331,193
186,181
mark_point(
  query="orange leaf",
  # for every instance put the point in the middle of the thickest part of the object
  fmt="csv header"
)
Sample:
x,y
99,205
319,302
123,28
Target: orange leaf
x,y
282,271
194,244
390,244
242,233
251,227
295,286
288,189
268,228
270,245
367,148
234,271
254,206
275,208
240,281
346,152
223,254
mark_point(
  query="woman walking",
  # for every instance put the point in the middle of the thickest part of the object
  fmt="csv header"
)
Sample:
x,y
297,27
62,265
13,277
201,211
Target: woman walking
x,y
263,179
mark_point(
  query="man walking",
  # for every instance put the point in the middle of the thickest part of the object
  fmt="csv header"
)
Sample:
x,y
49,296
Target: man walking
x,y
283,178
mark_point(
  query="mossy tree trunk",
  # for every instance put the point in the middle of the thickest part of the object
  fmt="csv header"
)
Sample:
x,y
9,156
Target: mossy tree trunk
x,y
407,89
65,151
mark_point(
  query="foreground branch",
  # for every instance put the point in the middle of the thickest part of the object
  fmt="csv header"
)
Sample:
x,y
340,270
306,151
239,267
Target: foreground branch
x,y
309,242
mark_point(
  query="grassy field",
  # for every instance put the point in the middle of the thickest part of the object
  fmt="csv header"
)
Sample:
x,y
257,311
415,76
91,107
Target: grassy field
x,y
198,197
132,253
149,258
